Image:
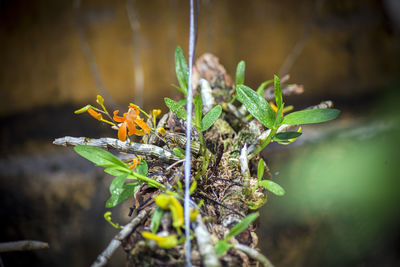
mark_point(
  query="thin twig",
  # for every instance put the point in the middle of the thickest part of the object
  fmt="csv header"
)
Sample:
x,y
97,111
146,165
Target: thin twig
x,y
206,246
174,164
90,57
22,245
254,254
112,143
105,256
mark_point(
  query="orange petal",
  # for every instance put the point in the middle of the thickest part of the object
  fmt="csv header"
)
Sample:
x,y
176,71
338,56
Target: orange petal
x,y
122,132
143,125
274,108
135,162
131,128
118,118
94,114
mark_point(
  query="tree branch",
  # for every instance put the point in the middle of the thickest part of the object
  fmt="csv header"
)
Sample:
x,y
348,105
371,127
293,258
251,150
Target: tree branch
x,y
105,256
22,245
112,143
254,254
206,246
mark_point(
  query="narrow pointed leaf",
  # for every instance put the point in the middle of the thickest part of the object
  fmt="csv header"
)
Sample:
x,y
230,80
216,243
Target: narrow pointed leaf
x,y
156,220
256,105
211,117
260,169
198,107
183,91
272,187
221,247
181,70
311,116
241,226
240,69
176,108
99,156
278,92
260,89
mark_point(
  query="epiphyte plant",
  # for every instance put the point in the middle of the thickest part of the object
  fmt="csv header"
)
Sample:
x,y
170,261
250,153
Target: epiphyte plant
x,y
218,171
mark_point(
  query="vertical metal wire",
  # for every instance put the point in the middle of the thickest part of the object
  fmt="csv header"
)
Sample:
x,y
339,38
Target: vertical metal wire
x,y
192,48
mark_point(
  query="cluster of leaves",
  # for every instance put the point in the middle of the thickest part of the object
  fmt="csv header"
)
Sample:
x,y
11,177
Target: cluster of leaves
x,y
259,108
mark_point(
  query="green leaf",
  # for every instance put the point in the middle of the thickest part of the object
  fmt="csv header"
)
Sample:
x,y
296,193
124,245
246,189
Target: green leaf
x,y
99,157
222,247
273,187
256,105
156,220
117,184
211,117
286,136
241,226
117,171
176,108
181,69
260,169
240,72
179,152
122,194
311,116
142,168
260,89
198,106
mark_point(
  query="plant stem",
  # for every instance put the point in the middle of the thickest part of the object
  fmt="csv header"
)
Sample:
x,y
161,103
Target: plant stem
x,y
263,144
148,180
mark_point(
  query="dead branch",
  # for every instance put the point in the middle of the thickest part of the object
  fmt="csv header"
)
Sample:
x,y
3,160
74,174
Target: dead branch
x,y
105,256
254,254
206,246
22,245
112,143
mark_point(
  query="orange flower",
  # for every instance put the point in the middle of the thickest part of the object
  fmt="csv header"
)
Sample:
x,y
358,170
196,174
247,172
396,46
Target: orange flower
x,y
129,121
94,114
135,162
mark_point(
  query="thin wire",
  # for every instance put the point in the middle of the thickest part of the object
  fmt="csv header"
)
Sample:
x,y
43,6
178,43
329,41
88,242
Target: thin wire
x,y
192,47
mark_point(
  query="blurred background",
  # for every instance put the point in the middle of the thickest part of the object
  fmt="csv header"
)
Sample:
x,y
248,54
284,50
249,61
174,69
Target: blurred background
x,y
341,178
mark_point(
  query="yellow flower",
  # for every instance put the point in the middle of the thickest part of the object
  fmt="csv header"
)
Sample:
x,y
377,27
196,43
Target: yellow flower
x,y
162,241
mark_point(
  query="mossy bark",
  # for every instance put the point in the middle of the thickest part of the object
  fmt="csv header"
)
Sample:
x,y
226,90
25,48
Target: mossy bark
x,y
221,186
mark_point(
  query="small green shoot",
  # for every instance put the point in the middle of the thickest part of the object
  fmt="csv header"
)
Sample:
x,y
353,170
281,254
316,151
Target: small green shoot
x,y
260,169
156,220
107,217
240,69
222,246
